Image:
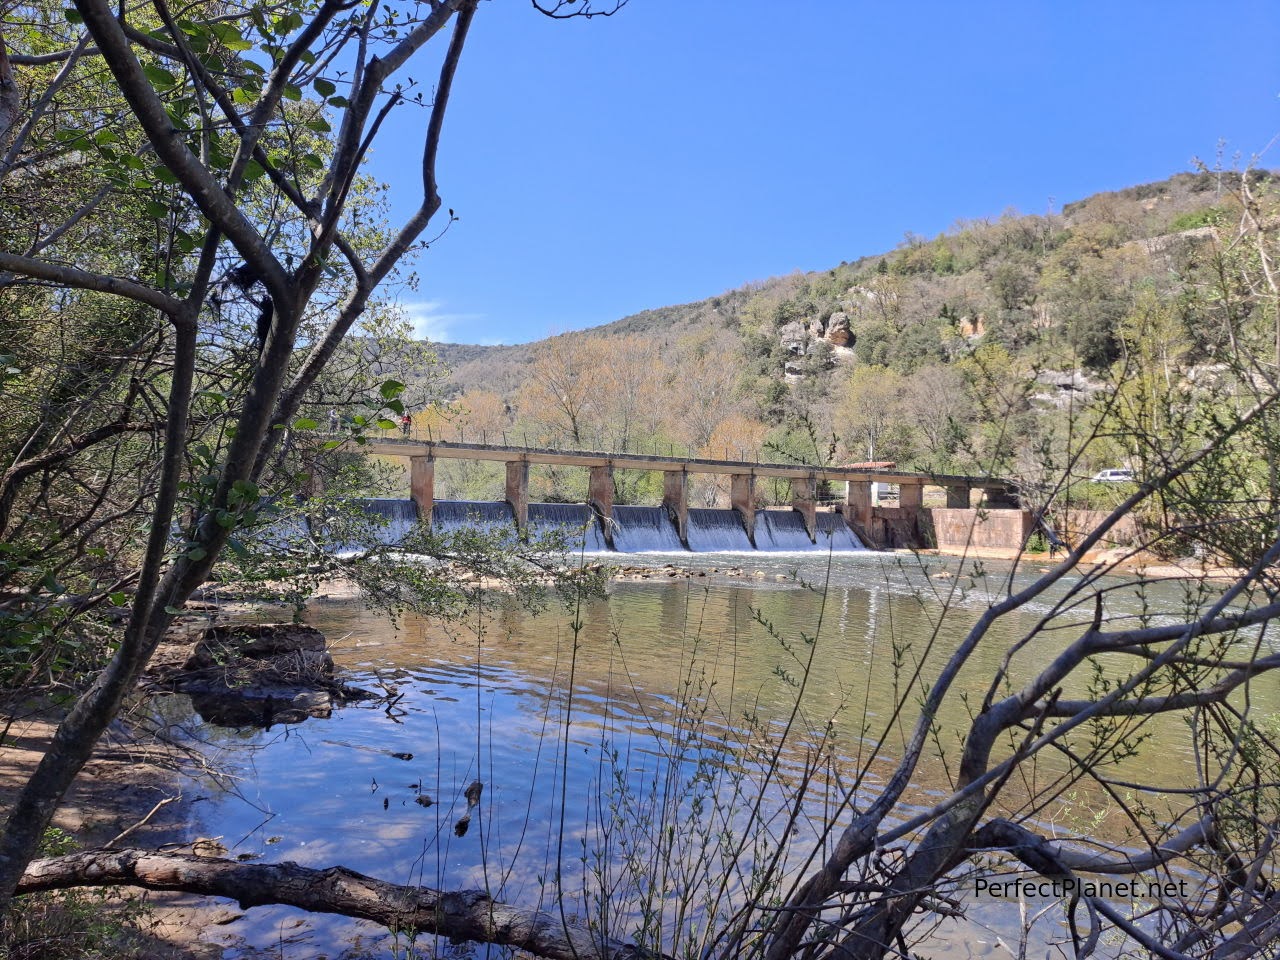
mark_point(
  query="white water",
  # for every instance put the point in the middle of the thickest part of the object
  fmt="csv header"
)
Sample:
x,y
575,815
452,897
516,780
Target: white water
x,y
644,530
635,529
717,531
576,520
834,534
450,515
782,530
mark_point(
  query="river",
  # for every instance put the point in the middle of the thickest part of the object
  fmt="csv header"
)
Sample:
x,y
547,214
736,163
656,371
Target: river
x,y
653,753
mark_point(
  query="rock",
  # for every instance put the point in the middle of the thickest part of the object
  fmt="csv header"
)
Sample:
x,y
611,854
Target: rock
x,y
838,332
261,641
257,675
973,327
794,337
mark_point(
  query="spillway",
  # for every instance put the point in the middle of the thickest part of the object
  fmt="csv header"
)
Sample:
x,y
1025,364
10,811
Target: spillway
x,y
716,530
782,530
834,534
400,515
635,529
644,530
450,515
576,520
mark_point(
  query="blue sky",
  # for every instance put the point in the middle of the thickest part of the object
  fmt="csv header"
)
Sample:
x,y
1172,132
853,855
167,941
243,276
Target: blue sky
x,y
685,147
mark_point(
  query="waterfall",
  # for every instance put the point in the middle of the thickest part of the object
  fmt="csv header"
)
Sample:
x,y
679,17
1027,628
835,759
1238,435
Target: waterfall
x,y
576,520
717,530
782,530
644,530
400,515
635,529
450,515
834,533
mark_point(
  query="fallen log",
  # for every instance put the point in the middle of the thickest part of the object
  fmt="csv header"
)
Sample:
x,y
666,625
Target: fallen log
x,y
459,915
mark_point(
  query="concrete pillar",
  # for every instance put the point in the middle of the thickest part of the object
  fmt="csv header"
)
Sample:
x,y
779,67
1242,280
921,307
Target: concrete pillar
x,y
675,498
957,498
910,496
742,495
600,496
518,491
422,486
857,502
804,497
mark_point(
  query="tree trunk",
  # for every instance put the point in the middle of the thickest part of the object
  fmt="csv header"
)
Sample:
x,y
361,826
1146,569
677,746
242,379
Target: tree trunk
x,y
461,915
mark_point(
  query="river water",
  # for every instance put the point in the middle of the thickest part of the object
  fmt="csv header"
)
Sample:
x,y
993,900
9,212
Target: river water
x,y
645,749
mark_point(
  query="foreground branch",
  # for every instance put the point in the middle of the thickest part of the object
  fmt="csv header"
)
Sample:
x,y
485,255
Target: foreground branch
x,y
461,915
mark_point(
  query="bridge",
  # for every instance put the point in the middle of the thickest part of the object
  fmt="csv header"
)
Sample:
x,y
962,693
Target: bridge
x,y
875,524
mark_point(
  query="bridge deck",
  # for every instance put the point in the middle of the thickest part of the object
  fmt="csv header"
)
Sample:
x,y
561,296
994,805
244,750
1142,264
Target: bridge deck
x,y
452,450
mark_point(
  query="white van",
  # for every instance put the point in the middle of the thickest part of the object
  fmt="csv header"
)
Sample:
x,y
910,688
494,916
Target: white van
x,y
1117,475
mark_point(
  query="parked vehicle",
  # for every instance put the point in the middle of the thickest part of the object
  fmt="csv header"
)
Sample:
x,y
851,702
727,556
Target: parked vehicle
x,y
1116,475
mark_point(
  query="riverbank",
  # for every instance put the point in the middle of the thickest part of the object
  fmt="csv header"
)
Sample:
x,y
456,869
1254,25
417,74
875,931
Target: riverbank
x,y
130,793
1116,560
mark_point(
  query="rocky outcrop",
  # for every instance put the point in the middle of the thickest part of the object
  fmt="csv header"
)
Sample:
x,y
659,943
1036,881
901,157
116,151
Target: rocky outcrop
x,y
973,327
838,332
255,675
817,344
1065,387
794,337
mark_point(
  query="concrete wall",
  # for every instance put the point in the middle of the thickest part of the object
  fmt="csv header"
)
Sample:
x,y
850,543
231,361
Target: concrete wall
x,y
1075,524
990,527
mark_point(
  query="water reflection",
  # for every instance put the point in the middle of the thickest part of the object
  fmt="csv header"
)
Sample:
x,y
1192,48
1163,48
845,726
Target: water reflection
x,y
660,711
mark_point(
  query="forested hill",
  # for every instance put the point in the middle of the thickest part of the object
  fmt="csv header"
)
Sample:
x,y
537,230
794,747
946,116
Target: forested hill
x,y
990,267
917,336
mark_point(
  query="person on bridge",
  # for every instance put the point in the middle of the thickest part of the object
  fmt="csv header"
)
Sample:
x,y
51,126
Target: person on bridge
x,y
406,423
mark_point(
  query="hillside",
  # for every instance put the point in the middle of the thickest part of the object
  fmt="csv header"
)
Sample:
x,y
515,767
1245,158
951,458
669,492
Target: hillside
x,y
896,355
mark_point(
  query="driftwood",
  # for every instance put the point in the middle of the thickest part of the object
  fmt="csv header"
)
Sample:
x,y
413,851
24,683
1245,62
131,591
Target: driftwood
x,y
460,915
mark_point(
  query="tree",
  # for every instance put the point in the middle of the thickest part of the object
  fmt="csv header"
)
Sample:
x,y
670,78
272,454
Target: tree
x,y
258,199
560,392
872,417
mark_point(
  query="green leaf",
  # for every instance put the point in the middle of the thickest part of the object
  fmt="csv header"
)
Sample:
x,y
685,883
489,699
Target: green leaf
x,y
386,424
319,125
238,548
242,96
72,15
197,553
323,87
230,37
396,406
160,78
390,389
332,444
339,102
253,170
290,92
119,598
305,423
164,175
172,611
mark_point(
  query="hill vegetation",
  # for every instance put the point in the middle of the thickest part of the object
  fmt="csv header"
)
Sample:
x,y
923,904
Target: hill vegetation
x,y
972,351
